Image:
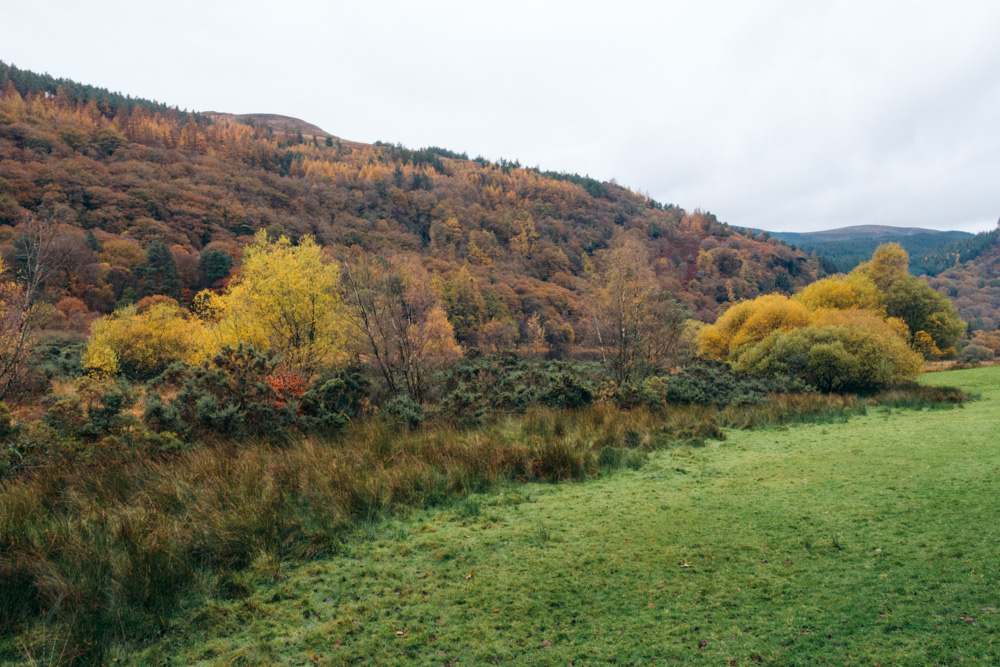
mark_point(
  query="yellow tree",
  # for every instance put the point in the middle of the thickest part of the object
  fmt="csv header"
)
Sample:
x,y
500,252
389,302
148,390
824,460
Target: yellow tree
x,y
856,290
142,343
927,313
285,300
750,322
888,265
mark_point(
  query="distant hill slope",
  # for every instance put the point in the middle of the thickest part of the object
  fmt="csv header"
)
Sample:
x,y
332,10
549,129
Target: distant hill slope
x,y
847,247
274,123
508,246
864,232
972,279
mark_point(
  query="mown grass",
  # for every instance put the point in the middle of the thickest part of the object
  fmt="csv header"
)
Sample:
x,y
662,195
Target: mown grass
x,y
873,541
100,557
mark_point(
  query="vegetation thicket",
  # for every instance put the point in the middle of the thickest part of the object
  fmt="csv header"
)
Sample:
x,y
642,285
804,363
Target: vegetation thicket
x,y
870,329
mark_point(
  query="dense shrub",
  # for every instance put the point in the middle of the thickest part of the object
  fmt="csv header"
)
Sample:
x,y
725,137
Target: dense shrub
x,y
748,322
59,356
141,344
6,421
834,358
95,409
707,382
239,395
405,410
972,353
508,383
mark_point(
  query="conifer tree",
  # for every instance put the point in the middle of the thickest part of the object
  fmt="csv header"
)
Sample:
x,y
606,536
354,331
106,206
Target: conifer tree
x,y
160,273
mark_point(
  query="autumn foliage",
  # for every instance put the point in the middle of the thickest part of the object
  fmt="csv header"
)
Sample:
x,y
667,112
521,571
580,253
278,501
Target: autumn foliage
x,y
867,330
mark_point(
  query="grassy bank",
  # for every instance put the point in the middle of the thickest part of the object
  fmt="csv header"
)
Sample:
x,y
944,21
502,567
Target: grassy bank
x,y
101,556
867,542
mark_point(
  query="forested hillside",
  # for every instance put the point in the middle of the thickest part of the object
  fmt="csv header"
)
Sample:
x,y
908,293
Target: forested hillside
x,y
972,280
504,243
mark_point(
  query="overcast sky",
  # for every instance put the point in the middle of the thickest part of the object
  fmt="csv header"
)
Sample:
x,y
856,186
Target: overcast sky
x,y
789,116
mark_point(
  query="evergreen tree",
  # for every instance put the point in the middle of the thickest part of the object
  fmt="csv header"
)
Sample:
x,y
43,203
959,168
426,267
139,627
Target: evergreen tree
x,y
91,241
214,265
159,273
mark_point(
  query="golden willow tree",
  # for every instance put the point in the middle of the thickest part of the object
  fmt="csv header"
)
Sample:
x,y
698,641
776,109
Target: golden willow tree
x,y
285,301
869,329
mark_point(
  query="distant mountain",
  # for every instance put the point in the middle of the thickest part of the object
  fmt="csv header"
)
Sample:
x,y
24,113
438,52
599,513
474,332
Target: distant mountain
x,y
865,232
846,247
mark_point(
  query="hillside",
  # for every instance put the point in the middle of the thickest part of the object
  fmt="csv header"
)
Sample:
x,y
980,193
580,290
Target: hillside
x,y
847,247
508,243
974,284
274,123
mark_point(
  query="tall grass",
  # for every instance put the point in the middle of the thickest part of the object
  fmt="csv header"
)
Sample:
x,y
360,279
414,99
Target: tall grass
x,y
102,554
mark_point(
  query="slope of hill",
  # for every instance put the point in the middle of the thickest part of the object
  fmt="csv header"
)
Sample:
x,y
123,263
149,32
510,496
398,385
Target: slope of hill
x,y
275,123
849,246
973,284
507,243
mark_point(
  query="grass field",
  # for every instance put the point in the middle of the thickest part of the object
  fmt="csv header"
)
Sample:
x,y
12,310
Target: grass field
x,y
874,541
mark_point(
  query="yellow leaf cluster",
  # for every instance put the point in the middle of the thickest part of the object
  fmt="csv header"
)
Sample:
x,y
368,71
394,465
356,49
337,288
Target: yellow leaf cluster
x,y
750,322
284,300
841,292
142,344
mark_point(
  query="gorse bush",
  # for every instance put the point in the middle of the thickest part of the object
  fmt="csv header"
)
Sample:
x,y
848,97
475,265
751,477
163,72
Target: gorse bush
x,y
478,387
6,422
98,408
239,394
707,382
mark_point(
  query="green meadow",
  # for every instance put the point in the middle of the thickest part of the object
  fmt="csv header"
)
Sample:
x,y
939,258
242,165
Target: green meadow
x,y
872,541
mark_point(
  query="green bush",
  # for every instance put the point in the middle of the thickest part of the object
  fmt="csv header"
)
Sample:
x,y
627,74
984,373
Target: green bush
x,y
973,352
706,382
237,395
405,410
478,387
97,409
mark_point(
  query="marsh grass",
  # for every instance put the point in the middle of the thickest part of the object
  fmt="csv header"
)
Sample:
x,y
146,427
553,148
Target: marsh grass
x,y
101,555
